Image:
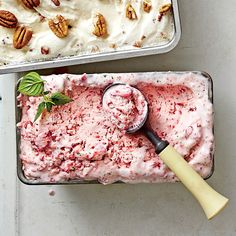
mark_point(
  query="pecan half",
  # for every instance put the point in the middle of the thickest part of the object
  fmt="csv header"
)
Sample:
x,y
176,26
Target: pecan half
x,y
165,8
31,3
59,26
130,12
100,26
147,5
21,37
8,19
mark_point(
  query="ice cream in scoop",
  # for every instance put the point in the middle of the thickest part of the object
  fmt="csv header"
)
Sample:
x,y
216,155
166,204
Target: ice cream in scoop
x,y
126,105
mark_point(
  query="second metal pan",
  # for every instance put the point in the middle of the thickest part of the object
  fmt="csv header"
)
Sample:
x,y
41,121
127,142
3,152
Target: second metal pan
x,y
75,60
22,177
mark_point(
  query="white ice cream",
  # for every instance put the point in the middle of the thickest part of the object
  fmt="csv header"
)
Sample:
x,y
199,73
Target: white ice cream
x,y
122,32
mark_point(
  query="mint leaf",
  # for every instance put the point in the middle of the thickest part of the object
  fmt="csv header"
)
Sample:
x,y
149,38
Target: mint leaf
x,y
49,106
48,99
46,93
31,85
60,99
41,107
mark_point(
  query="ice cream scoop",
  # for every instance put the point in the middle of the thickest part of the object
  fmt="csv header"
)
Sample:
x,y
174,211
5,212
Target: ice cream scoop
x,y
127,106
122,101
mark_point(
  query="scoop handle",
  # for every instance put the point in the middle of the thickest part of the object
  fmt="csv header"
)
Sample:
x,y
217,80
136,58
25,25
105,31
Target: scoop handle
x,y
211,201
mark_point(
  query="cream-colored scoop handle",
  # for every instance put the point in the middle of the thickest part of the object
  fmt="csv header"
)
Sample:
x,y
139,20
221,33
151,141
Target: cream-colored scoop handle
x,y
211,201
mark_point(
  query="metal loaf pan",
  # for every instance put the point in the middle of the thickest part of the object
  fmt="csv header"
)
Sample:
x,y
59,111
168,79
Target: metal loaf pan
x,y
20,172
75,60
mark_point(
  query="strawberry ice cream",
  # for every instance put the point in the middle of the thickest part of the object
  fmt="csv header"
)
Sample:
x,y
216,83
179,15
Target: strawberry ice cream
x,y
126,105
79,141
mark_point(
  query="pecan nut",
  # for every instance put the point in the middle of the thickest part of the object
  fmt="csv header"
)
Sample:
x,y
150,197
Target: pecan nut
x,y
137,44
59,26
45,50
147,5
31,4
21,37
100,26
130,12
165,8
8,19
56,2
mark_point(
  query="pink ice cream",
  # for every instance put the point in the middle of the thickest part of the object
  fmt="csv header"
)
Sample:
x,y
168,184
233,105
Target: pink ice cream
x,y
126,105
79,141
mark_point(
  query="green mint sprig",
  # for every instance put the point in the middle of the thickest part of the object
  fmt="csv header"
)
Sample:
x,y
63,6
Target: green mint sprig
x,y
32,85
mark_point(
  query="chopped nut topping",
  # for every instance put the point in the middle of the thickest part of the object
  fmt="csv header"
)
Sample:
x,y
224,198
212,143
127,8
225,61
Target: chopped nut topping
x,y
45,50
130,12
113,45
56,2
137,44
160,17
143,37
164,36
41,17
165,8
100,26
147,5
95,49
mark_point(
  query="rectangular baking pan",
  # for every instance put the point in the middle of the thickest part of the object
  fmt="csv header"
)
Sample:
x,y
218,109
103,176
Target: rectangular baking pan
x,y
76,60
20,173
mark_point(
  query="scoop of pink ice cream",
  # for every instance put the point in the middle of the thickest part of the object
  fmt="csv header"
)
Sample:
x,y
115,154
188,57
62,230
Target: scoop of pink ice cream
x,y
126,106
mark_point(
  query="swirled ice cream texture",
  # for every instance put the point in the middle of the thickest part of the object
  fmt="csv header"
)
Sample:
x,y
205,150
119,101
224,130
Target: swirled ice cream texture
x,y
78,141
126,105
122,32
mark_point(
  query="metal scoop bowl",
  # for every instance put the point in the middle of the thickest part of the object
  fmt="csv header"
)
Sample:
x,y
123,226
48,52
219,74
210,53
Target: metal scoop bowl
x,y
211,201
